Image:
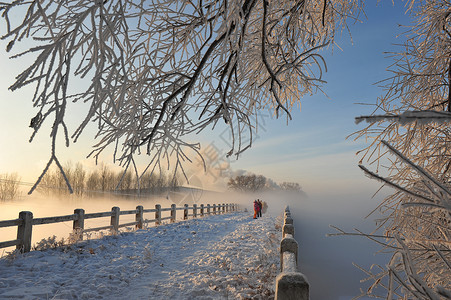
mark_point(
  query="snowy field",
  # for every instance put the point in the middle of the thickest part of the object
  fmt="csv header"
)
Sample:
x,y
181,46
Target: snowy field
x,y
229,256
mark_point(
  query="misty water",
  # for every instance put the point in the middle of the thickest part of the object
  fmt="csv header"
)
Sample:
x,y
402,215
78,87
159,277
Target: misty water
x,y
326,261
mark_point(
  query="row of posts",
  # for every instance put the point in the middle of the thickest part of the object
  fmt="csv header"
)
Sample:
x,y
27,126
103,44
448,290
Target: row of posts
x,y
25,228
290,283
139,218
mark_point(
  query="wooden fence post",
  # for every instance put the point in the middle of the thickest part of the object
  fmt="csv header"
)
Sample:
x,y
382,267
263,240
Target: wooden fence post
x,y
214,209
24,231
201,210
173,212
115,213
185,212
223,208
139,217
208,209
79,223
195,210
157,214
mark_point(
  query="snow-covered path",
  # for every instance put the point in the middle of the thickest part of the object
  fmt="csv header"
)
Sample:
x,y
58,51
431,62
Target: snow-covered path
x,y
229,256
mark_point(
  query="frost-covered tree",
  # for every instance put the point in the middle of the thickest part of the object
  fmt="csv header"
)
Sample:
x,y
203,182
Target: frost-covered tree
x,y
99,181
152,72
410,148
291,186
78,181
93,181
9,186
247,183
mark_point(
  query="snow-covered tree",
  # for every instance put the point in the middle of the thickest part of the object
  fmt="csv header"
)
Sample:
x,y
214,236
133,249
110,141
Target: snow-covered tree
x,y
9,186
412,151
78,181
247,183
291,186
153,72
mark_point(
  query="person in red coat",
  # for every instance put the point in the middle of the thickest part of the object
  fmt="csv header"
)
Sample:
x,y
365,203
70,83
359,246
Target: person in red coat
x,y
256,208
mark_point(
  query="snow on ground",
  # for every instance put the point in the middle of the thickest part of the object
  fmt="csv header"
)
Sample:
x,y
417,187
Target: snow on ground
x,y
230,256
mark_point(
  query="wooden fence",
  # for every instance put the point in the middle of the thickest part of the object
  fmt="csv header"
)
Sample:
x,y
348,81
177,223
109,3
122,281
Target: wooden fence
x,y
290,283
26,221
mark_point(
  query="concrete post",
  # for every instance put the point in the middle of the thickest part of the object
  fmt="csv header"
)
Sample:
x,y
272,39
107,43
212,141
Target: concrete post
x,y
185,212
115,213
287,229
288,244
173,213
79,224
139,217
292,286
24,231
288,220
157,214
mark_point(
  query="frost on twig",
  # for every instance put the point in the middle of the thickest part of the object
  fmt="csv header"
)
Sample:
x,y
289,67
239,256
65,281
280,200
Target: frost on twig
x,y
419,236
409,147
421,116
153,73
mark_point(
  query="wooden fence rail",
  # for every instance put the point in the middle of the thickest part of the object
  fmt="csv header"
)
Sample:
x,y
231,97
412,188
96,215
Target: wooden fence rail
x,y
290,283
25,222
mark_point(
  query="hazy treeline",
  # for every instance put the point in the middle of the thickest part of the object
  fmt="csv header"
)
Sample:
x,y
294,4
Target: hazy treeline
x,y
254,183
104,179
9,186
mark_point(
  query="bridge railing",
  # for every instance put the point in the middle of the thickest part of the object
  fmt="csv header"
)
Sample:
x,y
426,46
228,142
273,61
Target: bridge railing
x,y
290,283
25,221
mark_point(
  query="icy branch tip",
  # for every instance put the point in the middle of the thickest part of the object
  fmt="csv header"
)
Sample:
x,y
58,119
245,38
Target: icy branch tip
x,y
422,116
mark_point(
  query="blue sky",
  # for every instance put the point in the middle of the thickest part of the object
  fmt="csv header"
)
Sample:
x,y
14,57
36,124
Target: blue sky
x,y
311,149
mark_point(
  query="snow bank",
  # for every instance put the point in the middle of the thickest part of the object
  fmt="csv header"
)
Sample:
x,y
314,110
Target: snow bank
x,y
216,257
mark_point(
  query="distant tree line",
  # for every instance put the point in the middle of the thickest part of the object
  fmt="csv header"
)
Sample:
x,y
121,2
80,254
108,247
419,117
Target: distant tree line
x,y
105,180
9,186
254,183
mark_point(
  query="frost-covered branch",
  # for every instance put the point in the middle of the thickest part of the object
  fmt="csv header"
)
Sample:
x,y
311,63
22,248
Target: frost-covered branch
x,y
411,119
419,232
421,116
153,72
